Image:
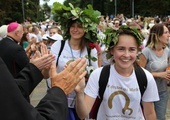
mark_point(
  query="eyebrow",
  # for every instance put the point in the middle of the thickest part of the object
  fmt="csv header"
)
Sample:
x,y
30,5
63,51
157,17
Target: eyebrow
x,y
134,47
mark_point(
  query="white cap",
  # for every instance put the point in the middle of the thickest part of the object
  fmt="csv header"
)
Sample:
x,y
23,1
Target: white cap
x,y
45,37
47,20
124,24
129,20
3,31
56,37
31,35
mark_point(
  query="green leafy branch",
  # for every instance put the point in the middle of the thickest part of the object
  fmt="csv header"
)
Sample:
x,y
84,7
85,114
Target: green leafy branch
x,y
88,17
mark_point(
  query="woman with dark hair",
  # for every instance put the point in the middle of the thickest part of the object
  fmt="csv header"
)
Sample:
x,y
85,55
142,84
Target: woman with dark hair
x,y
77,44
155,59
24,40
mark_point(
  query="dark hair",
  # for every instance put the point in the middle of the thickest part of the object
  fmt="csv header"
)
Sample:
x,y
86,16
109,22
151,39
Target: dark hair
x,y
167,24
24,38
126,32
84,42
155,32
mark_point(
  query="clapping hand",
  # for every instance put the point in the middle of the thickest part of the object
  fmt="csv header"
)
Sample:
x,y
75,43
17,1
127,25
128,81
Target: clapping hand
x,y
68,79
42,60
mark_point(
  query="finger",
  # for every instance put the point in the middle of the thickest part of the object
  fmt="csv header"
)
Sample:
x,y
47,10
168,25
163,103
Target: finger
x,y
80,66
74,83
46,49
47,60
33,56
72,65
42,49
38,54
82,69
52,71
82,75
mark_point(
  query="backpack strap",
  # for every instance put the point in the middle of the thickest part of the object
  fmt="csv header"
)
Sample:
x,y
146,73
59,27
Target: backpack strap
x,y
141,78
61,49
104,76
103,80
89,55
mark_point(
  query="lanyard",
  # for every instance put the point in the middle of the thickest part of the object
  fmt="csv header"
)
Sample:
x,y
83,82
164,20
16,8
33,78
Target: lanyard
x,y
72,51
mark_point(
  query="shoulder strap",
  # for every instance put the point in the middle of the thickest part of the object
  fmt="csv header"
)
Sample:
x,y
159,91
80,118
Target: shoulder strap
x,y
141,78
89,55
61,49
104,76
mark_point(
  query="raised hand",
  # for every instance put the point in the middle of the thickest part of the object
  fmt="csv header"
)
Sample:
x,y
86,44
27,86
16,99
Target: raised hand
x,y
68,79
42,60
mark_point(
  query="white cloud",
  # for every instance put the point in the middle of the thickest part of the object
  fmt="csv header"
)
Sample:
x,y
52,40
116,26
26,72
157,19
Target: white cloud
x,y
51,2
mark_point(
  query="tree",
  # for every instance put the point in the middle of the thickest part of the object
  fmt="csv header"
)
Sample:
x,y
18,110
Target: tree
x,y
73,2
47,10
7,8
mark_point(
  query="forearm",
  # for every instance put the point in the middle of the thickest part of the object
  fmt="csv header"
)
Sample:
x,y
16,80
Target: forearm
x,y
45,73
156,74
151,116
149,111
81,107
162,75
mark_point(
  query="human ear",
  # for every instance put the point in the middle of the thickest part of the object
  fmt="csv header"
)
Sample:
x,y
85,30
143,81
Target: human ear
x,y
112,51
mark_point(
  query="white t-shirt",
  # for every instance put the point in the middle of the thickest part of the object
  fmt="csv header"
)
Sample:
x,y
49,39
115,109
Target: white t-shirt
x,y
121,92
67,55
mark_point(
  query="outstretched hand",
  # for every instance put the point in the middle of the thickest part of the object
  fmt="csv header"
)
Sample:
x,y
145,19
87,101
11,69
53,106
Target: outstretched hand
x,y
68,79
43,59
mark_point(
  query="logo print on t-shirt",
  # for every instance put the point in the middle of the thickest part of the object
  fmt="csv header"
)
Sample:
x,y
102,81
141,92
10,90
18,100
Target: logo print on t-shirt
x,y
126,107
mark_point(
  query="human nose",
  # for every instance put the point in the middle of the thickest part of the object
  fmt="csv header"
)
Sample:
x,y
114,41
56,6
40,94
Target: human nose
x,y
126,53
75,28
51,34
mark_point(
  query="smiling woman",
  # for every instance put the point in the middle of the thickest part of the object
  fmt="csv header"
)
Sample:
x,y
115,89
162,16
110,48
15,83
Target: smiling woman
x,y
79,26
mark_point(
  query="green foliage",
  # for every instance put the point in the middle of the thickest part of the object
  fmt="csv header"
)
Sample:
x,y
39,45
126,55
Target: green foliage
x,y
10,9
112,36
88,17
91,58
73,2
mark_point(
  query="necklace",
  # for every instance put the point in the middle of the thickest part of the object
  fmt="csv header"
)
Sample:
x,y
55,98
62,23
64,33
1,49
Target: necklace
x,y
72,51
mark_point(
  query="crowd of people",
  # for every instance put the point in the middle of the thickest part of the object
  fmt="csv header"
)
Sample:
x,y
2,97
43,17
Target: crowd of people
x,y
72,65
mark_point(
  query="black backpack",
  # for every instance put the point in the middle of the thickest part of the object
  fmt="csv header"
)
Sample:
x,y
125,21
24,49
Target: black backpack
x,y
103,80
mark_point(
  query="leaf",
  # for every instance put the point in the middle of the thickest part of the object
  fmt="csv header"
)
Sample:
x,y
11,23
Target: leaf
x,y
74,13
71,6
93,59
